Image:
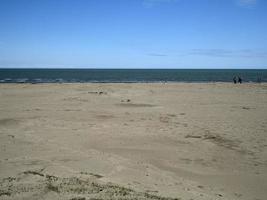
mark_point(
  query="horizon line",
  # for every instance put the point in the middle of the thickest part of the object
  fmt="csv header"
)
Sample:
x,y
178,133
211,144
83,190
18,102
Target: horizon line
x,y
131,68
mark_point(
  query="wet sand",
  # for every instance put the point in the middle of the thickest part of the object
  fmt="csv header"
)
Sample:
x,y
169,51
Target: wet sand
x,y
133,141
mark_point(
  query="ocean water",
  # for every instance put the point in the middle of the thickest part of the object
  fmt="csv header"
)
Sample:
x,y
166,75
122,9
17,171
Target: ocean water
x,y
129,75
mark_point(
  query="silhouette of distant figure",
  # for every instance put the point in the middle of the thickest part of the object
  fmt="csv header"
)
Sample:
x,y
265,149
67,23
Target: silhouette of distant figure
x,y
239,79
234,79
259,79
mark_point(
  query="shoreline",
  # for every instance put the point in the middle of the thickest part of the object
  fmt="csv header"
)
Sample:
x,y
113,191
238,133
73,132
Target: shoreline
x,y
138,82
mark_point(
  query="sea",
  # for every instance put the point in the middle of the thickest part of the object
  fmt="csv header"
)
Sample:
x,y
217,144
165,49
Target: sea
x,y
129,75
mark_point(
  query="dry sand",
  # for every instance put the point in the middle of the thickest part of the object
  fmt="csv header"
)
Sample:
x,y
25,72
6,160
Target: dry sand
x,y
133,141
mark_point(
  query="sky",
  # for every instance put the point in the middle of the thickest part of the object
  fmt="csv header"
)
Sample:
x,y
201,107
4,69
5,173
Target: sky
x,y
133,34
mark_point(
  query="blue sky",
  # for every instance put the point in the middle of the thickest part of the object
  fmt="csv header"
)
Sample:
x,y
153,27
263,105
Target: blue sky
x,y
133,33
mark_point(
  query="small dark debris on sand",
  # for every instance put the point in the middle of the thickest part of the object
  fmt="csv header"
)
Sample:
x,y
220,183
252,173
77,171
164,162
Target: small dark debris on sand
x,y
246,108
171,115
127,100
78,198
193,136
92,174
100,93
33,173
200,186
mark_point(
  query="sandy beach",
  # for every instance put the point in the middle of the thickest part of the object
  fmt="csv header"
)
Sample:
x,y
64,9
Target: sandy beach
x,y
189,141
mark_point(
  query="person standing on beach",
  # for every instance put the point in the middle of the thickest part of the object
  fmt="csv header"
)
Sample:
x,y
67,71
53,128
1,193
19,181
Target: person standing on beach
x,y
234,79
259,79
239,79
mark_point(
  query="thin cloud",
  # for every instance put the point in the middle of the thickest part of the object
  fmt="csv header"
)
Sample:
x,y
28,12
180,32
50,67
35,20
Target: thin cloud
x,y
152,3
244,53
211,52
249,53
247,3
157,54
